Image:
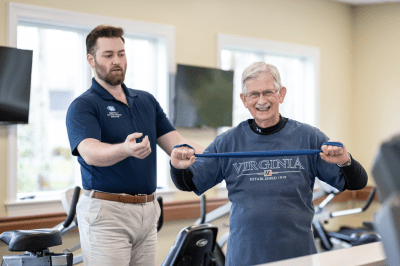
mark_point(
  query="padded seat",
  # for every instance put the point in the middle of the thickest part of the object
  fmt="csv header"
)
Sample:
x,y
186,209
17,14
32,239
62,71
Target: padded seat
x,y
31,240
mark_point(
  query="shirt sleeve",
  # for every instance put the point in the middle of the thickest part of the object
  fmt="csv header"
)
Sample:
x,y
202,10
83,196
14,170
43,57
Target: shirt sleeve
x,y
163,124
82,123
328,172
355,175
201,176
207,173
182,178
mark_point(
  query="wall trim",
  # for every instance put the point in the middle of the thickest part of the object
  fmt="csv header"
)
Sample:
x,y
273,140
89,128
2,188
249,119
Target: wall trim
x,y
174,210
52,204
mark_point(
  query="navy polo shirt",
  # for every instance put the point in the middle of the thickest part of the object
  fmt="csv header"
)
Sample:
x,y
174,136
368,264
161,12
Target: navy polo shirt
x,y
97,114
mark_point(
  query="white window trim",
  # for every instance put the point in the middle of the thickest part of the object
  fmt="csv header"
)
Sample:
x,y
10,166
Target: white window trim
x,y
225,41
17,12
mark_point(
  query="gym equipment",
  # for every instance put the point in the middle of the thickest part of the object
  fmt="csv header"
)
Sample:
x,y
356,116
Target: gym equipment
x,y
386,171
37,242
194,244
346,236
259,153
218,253
68,203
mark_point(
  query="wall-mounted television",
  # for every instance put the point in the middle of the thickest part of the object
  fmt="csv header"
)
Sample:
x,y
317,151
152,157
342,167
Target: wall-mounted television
x,y
15,85
202,97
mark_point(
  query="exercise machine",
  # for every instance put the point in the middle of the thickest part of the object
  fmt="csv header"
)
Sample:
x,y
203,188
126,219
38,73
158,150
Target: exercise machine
x,y
218,213
345,236
36,243
194,244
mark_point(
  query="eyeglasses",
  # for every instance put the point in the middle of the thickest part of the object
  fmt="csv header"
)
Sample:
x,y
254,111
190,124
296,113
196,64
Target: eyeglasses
x,y
255,95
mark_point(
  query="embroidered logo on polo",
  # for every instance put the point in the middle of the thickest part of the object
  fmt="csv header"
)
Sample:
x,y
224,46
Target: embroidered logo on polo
x,y
268,169
113,113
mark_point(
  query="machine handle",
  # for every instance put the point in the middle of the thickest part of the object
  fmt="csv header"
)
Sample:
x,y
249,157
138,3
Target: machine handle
x,y
370,199
161,218
357,210
72,209
203,209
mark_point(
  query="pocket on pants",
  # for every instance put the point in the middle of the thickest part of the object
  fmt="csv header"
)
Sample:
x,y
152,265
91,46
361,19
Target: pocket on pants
x,y
94,211
158,210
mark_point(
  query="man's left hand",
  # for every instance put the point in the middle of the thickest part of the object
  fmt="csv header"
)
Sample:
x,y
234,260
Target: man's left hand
x,y
334,154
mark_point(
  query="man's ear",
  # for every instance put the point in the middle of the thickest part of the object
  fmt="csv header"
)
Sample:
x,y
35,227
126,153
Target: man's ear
x,y
282,94
244,100
90,59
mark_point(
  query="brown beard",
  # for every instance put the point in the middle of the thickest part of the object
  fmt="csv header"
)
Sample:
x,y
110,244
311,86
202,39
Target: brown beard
x,y
111,78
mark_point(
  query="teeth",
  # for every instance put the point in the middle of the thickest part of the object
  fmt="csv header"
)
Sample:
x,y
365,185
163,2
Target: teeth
x,y
264,109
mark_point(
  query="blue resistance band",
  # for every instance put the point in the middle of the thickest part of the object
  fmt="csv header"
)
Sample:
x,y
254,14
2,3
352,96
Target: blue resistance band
x,y
261,153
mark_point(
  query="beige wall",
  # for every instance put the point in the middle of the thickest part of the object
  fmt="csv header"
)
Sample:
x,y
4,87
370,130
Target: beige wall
x,y
376,91
324,24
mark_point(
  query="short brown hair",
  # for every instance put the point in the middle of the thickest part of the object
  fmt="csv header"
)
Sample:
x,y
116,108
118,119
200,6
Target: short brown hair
x,y
102,31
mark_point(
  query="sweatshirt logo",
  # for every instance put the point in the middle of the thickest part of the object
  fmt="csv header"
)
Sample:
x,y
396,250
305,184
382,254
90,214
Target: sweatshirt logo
x,y
268,168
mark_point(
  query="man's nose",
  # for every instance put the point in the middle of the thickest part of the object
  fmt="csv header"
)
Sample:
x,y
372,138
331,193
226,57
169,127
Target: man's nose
x,y
117,61
262,99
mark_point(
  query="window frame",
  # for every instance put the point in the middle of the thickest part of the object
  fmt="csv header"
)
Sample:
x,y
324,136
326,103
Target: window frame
x,y
312,54
76,20
239,43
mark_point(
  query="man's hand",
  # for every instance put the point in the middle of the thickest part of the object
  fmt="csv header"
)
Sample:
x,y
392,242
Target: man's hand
x,y
334,154
139,150
182,157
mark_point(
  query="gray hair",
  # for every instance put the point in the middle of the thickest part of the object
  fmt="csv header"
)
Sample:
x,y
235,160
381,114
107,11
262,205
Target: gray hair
x,y
256,69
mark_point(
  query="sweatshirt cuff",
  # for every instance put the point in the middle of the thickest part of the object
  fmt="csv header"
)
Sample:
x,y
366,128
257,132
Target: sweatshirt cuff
x,y
175,170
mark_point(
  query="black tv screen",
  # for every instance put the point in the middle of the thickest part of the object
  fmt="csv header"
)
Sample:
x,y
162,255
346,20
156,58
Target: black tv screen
x,y
202,97
15,85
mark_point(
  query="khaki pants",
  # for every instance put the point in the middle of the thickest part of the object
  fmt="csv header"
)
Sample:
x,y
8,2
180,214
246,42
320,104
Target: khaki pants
x,y
114,233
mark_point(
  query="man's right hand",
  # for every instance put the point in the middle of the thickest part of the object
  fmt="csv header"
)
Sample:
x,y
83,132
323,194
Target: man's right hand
x,y
182,157
139,150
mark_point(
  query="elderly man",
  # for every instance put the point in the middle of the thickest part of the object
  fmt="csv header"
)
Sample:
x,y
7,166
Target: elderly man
x,y
272,207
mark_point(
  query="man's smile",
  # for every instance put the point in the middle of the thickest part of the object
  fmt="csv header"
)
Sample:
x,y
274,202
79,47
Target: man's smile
x,y
263,108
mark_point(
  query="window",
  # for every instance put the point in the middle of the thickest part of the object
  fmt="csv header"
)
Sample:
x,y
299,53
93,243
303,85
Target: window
x,y
297,65
40,160
44,158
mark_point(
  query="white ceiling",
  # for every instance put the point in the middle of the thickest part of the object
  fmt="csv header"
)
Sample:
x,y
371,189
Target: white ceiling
x,y
363,2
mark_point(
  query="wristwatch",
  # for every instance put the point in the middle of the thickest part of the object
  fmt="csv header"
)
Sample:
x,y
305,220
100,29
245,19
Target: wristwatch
x,y
347,163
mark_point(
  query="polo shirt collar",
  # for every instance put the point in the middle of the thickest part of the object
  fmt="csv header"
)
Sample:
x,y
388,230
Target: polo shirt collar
x,y
106,95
